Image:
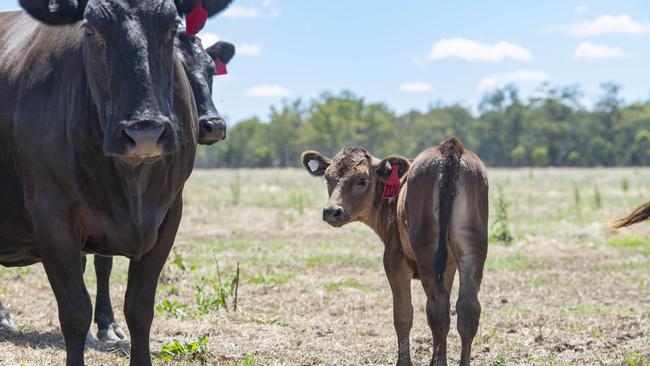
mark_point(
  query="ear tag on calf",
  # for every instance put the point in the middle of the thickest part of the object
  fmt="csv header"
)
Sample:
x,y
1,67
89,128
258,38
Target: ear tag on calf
x,y
313,165
195,20
220,68
391,188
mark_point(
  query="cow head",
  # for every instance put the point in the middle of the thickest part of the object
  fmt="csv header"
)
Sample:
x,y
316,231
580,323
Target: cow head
x,y
355,181
199,65
128,54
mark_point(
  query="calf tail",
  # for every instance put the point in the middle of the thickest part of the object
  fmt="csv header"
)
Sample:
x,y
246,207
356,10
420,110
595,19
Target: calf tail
x,y
451,149
642,213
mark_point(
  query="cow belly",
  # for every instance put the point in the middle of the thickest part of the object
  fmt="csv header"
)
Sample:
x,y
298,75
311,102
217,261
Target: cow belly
x,y
14,253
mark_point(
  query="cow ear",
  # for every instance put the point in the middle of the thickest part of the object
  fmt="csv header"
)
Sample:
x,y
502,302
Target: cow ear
x,y
385,167
55,12
224,51
315,162
213,7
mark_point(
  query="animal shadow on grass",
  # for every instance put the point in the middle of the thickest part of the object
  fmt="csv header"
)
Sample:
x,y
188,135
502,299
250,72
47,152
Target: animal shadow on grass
x,y
36,339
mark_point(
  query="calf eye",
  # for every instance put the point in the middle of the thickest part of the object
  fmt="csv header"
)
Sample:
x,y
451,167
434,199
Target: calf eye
x,y
88,30
362,182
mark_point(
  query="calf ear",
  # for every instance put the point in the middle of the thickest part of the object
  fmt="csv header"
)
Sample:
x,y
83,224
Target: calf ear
x,y
55,12
315,162
385,167
224,51
213,7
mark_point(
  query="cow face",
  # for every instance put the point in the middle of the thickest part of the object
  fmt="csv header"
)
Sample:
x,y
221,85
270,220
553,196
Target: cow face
x,y
355,181
199,65
128,52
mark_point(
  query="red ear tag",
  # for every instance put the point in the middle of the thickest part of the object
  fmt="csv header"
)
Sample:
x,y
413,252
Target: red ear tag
x,y
195,20
220,68
391,188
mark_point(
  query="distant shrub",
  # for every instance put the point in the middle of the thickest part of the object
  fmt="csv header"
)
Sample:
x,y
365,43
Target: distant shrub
x,y
500,228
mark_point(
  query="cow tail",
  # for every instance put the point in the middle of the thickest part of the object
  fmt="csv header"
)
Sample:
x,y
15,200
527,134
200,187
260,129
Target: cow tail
x,y
451,151
642,213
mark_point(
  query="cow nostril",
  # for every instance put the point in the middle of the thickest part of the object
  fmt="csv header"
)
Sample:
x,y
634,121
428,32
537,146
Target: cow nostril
x,y
337,212
208,126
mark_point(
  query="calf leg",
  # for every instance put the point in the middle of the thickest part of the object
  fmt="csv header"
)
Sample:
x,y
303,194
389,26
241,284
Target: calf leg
x,y
438,307
141,288
108,329
5,319
399,275
468,307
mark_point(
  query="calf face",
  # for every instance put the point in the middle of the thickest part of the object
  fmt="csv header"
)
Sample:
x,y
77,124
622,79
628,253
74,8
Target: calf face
x,y
199,65
355,181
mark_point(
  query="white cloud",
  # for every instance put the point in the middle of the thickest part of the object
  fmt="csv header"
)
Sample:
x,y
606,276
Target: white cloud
x,y
249,49
591,51
266,3
471,50
209,38
241,12
415,87
581,9
605,25
268,91
519,76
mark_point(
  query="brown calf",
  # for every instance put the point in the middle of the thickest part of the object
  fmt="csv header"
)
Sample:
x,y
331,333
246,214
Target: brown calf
x,y
442,207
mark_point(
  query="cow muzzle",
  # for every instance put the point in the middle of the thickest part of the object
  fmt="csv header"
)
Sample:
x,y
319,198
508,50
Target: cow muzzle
x,y
211,130
144,141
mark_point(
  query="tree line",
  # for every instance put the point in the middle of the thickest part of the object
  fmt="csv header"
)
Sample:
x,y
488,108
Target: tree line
x,y
551,128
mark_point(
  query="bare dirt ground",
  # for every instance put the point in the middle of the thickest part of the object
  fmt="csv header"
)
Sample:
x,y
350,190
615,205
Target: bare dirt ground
x,y
567,291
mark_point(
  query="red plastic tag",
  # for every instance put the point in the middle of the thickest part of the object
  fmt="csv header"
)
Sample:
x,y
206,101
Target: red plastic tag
x,y
220,68
195,20
391,188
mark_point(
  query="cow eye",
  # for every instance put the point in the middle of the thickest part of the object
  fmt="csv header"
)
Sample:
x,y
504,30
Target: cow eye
x,y
362,182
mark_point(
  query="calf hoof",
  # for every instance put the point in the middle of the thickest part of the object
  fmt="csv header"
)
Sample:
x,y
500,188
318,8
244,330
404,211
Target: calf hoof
x,y
113,334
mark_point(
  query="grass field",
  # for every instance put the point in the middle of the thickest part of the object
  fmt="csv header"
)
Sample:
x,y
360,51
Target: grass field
x,y
567,291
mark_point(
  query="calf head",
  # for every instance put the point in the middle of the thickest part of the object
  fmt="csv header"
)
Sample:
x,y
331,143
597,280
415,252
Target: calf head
x,y
128,54
355,181
199,65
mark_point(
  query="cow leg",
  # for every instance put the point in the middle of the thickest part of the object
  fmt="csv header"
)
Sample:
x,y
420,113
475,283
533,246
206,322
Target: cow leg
x,y
59,247
141,288
468,308
107,327
5,319
399,275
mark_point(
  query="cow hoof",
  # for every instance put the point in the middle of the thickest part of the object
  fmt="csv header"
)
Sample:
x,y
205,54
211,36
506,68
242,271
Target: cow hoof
x,y
6,323
90,340
113,334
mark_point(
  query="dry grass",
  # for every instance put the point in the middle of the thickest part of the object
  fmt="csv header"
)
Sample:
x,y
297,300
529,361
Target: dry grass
x,y
568,291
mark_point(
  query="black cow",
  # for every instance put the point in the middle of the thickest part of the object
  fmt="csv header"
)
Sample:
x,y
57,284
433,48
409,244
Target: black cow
x,y
199,65
98,133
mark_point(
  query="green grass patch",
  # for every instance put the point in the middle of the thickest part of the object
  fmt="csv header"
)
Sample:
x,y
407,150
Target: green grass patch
x,y
515,262
191,350
346,283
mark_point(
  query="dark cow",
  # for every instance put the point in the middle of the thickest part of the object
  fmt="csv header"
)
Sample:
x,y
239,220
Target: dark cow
x,y
98,133
199,65
442,207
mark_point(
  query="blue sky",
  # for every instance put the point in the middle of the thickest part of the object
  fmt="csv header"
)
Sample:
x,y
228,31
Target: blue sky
x,y
411,53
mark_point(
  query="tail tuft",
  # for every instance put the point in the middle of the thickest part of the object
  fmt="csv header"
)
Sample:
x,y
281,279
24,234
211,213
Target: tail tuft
x,y
642,213
452,150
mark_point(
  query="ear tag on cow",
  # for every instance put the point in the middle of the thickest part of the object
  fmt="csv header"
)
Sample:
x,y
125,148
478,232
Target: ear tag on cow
x,y
391,188
195,20
220,68
313,165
